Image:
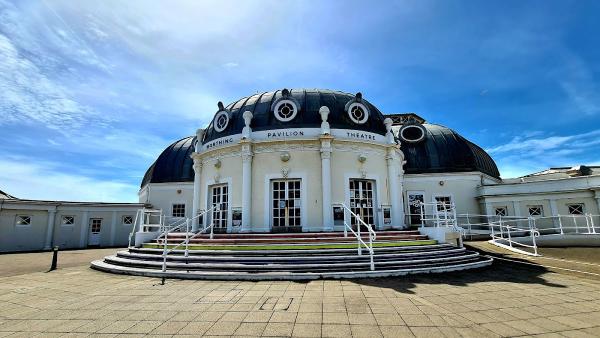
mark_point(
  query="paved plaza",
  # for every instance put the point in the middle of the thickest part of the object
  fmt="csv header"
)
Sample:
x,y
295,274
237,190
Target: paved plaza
x,y
506,299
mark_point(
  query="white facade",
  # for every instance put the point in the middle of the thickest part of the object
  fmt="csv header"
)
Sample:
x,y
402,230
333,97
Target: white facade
x,y
30,225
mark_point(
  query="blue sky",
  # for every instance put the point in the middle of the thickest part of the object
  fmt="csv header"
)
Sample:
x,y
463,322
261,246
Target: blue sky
x,y
91,92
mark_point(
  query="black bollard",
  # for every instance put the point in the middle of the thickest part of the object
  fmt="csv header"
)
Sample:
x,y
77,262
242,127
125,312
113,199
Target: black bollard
x,y
54,258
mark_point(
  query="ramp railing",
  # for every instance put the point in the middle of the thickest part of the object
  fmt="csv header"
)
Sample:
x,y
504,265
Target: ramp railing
x,y
359,224
188,223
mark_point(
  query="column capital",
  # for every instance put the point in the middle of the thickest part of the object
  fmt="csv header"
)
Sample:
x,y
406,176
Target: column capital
x,y
246,151
197,165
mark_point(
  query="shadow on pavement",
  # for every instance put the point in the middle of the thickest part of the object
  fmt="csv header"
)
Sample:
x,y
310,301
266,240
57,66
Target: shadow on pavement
x,y
500,271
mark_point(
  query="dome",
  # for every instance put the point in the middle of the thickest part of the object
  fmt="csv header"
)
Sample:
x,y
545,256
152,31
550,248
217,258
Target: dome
x,y
174,164
443,150
309,102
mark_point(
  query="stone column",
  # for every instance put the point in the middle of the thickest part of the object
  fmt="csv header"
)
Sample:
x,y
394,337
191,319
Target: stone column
x,y
197,188
326,181
50,229
113,228
395,188
517,208
85,224
554,212
246,185
197,176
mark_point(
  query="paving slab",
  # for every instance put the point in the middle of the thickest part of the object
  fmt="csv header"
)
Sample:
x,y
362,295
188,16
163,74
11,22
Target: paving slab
x,y
506,299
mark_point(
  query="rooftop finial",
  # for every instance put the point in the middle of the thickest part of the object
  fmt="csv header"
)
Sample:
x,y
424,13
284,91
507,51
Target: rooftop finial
x,y
285,92
221,106
358,97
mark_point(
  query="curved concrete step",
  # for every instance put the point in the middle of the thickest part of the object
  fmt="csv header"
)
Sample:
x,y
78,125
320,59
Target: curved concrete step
x,y
298,265
251,241
299,256
285,275
295,252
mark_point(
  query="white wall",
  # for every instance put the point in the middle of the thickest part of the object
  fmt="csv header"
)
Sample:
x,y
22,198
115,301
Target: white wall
x,y
34,236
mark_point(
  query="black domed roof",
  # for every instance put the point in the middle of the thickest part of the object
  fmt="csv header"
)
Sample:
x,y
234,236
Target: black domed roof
x,y
310,100
444,150
174,164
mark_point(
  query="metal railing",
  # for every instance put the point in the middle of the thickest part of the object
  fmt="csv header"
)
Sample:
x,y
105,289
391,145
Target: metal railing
x,y
357,233
510,232
441,215
143,221
503,237
559,224
188,222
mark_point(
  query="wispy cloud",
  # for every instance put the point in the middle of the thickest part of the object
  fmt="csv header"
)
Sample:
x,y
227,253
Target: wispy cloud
x,y
531,152
44,180
27,95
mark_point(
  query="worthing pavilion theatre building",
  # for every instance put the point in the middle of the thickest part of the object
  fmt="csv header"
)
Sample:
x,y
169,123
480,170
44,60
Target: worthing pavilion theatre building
x,y
286,184
283,161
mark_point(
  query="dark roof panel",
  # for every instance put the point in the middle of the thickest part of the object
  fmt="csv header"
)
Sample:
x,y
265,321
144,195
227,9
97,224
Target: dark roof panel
x,y
310,100
444,150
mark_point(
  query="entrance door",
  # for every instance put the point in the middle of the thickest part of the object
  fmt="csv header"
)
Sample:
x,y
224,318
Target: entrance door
x,y
286,206
414,206
95,228
220,204
362,202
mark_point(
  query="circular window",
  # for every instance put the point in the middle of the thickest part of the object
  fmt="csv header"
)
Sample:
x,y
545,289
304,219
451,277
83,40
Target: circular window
x,y
412,133
285,110
358,113
221,121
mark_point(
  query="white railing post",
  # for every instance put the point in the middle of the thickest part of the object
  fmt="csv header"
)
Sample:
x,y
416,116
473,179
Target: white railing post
x,y
422,210
187,236
560,225
500,222
592,223
165,241
345,222
371,251
576,226
533,232
359,235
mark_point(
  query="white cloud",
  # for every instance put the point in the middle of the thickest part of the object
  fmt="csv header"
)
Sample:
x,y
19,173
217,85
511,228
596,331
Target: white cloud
x,y
27,179
535,151
230,65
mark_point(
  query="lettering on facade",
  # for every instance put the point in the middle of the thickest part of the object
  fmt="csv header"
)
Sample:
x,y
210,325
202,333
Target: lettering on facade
x,y
220,142
362,136
285,133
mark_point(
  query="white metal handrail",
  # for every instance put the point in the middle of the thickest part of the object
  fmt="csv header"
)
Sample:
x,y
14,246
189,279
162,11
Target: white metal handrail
x,y
139,222
442,215
357,233
507,232
581,224
188,223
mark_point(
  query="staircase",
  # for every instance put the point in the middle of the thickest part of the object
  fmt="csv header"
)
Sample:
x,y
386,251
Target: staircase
x,y
291,256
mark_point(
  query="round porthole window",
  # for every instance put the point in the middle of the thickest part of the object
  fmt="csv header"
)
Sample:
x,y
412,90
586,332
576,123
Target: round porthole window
x,y
358,113
412,133
221,121
285,110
